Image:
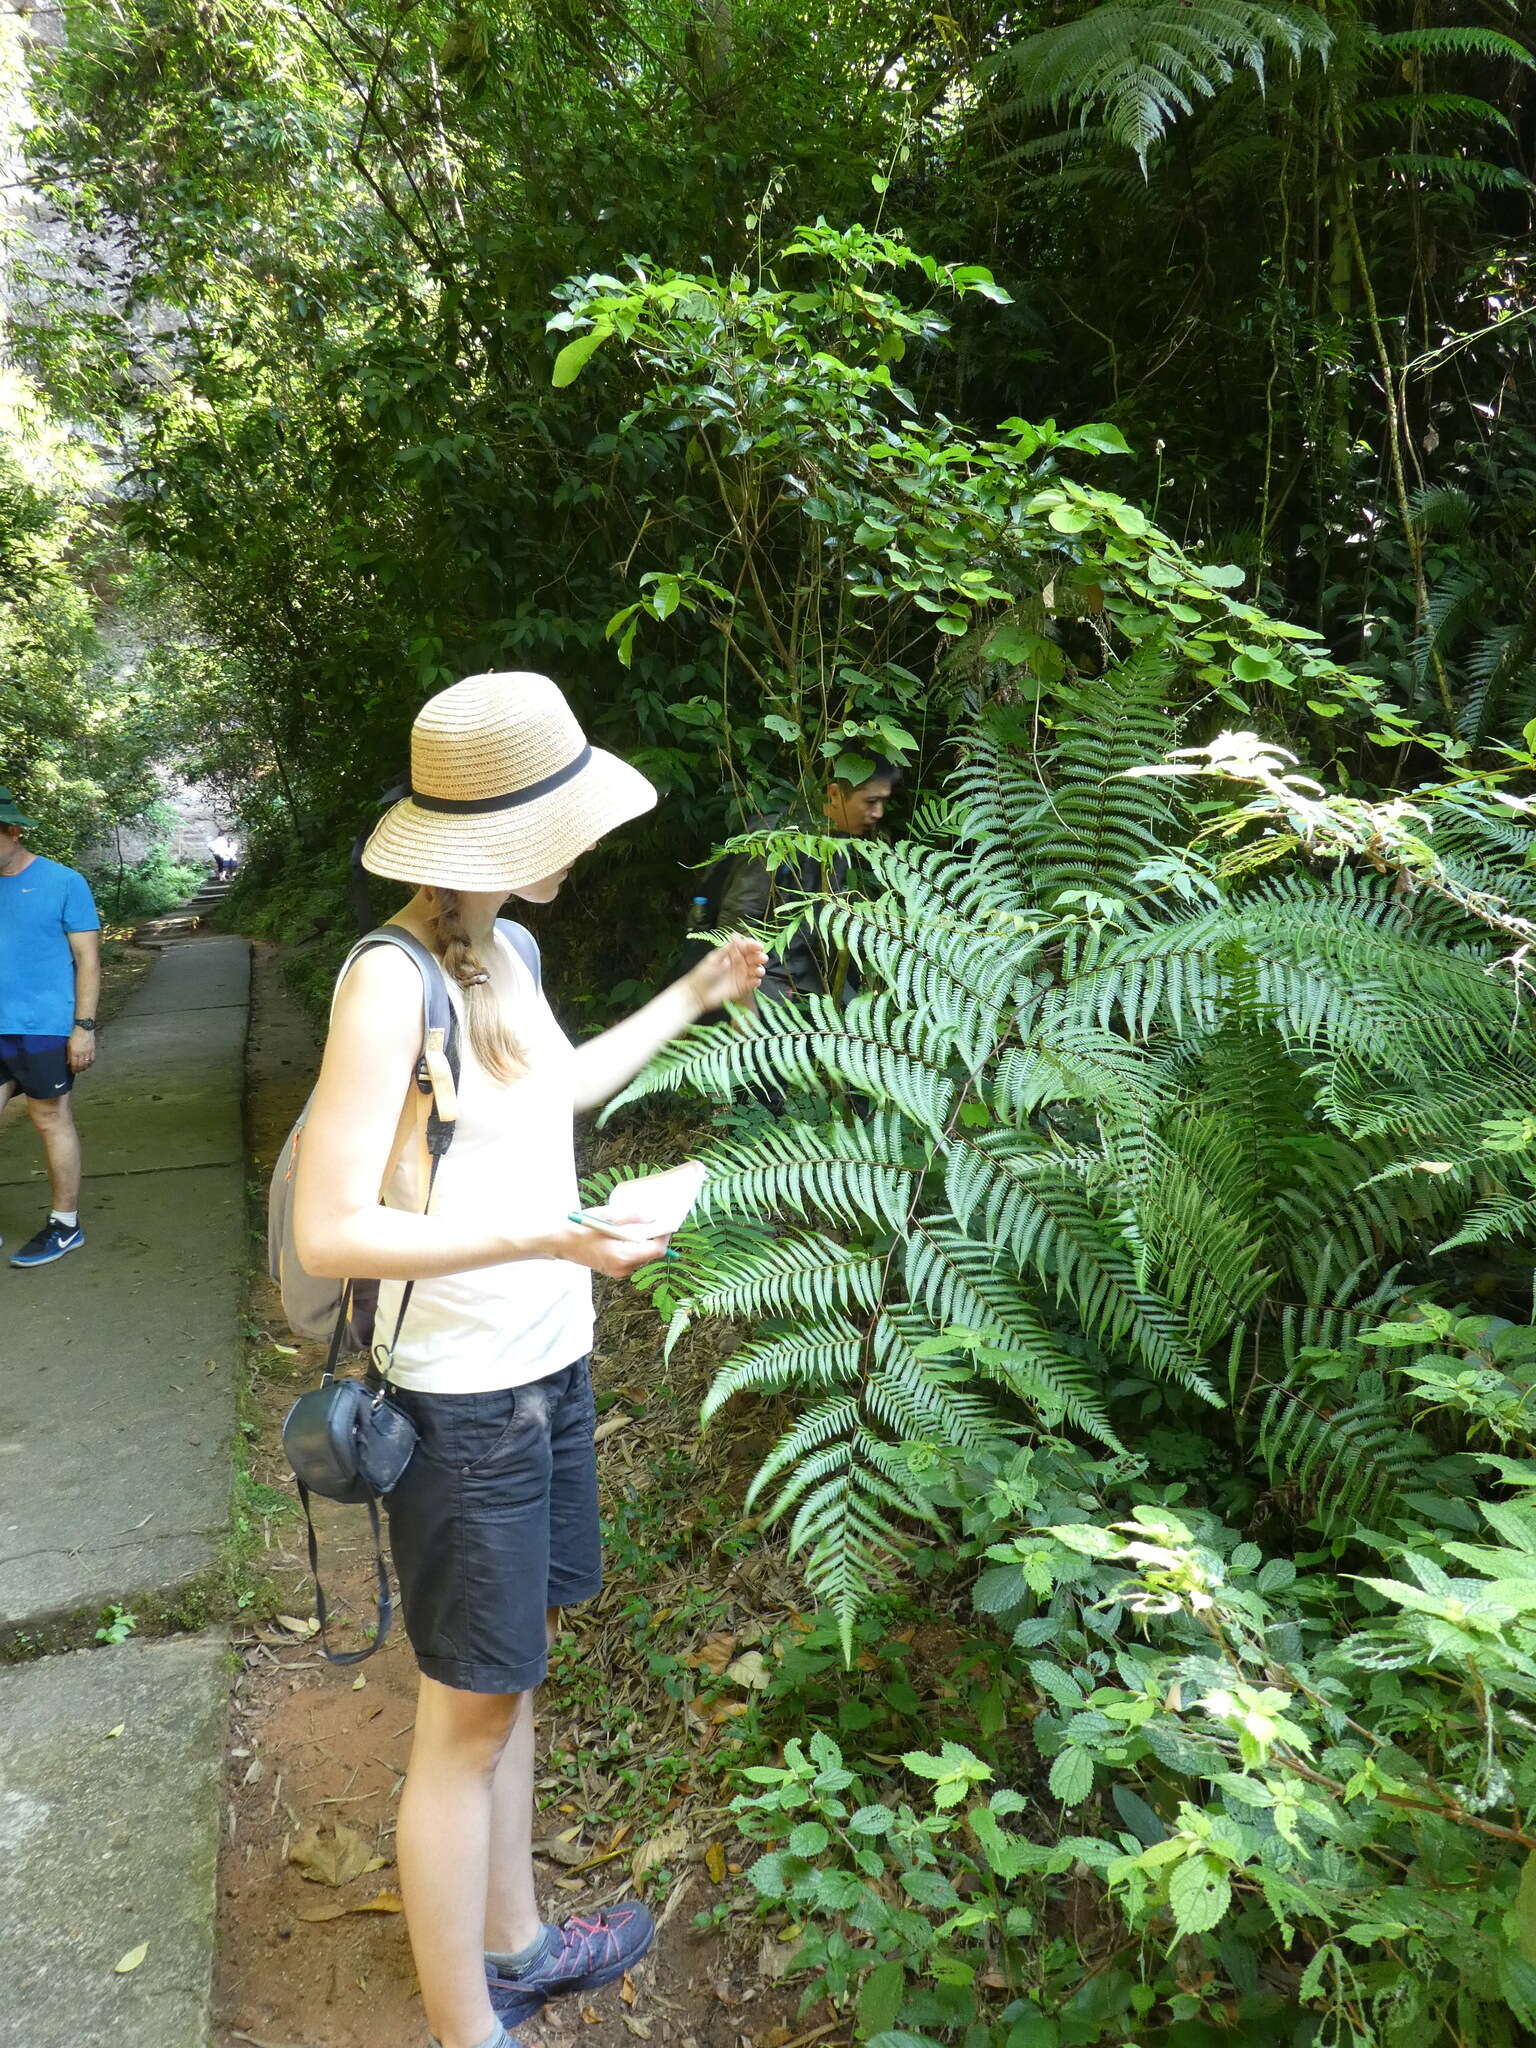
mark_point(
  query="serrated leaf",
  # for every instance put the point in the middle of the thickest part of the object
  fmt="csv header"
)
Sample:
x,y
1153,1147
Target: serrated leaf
x,y
1072,1776
880,1998
1199,1893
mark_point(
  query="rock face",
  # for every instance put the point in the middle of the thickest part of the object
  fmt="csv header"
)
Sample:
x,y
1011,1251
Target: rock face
x,y
196,814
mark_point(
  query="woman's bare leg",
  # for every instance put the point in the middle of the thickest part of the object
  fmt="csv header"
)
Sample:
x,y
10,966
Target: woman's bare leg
x,y
443,1843
511,1899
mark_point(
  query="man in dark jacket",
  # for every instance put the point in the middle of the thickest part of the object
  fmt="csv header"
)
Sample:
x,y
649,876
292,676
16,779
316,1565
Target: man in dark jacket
x,y
751,894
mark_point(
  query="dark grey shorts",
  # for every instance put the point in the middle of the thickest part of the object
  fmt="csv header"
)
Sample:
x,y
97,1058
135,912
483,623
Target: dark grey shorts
x,y
494,1521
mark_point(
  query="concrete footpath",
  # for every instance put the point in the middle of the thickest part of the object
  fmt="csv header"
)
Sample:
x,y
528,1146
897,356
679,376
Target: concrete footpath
x,y
117,1374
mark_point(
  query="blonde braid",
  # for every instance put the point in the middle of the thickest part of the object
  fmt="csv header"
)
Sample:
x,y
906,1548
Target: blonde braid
x,y
495,1047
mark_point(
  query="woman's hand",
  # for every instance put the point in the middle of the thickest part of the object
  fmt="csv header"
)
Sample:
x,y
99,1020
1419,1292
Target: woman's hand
x,y
617,1257
733,973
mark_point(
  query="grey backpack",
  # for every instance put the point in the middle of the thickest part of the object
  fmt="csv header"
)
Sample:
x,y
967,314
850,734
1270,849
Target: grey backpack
x,y
311,1303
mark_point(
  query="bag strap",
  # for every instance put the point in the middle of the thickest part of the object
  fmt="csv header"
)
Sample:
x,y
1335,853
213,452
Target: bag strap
x,y
438,1067
386,1604
437,1103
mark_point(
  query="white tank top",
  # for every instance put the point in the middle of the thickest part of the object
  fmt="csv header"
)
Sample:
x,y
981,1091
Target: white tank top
x,y
512,1157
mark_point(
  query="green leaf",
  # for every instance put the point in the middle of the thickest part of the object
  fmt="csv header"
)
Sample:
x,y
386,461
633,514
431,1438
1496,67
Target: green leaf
x,y
576,354
1070,518
930,1888
1100,436
880,1998
1200,1893
1072,1776
809,1839
871,1820
1520,1921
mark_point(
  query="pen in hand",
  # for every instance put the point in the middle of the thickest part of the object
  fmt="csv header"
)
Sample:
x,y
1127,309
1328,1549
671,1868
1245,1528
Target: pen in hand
x,y
633,1235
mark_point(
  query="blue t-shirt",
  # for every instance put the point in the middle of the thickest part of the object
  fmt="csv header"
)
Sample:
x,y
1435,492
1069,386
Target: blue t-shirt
x,y
39,908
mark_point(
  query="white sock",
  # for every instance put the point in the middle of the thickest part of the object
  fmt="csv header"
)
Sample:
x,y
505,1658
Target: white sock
x,y
68,1217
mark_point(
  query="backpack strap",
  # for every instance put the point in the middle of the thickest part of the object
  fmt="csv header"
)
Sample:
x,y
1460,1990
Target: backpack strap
x,y
437,1082
438,1066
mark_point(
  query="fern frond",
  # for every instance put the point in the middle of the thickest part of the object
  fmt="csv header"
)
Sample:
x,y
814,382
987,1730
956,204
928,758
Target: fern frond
x,y
1018,1198
1145,66
801,1170
1347,1460
802,1275
1510,1215
828,1356
870,1044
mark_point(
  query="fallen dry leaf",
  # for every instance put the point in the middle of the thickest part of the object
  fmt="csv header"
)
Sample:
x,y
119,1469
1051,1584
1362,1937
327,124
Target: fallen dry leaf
x,y
335,1858
591,2015
713,1654
750,1669
726,1710
714,1862
627,1989
775,1959
640,2027
663,1848
131,1961
610,1426
381,1902
563,1848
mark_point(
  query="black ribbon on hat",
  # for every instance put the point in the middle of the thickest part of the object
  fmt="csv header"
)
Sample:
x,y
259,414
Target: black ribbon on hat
x,y
465,807
450,806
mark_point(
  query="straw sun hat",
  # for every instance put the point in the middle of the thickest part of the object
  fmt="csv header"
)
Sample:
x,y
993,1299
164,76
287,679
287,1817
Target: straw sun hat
x,y
504,789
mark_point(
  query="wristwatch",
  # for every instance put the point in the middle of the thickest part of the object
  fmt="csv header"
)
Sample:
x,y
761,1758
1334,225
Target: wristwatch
x,y
85,1023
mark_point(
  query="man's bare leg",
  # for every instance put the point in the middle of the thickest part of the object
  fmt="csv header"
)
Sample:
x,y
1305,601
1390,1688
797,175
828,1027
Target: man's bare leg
x,y
54,1121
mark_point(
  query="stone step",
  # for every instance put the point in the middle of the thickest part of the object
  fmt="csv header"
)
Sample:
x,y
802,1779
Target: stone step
x,y
109,1842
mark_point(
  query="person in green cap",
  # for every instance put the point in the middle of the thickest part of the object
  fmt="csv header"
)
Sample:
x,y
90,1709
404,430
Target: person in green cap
x,y
50,974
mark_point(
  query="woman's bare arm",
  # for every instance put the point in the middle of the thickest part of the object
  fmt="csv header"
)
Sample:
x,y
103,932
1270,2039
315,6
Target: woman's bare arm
x,y
605,1064
340,1228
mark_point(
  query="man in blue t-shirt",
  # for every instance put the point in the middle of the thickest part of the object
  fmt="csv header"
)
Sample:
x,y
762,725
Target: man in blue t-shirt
x,y
50,975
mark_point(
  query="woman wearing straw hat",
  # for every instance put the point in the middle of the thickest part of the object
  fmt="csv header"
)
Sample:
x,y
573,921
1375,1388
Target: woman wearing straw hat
x,y
494,1525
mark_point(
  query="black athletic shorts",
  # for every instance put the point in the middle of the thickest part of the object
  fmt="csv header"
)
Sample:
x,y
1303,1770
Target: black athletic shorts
x,y
494,1521
38,1067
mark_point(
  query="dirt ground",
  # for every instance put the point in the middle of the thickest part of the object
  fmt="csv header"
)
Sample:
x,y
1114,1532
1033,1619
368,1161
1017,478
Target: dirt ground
x,y
306,1964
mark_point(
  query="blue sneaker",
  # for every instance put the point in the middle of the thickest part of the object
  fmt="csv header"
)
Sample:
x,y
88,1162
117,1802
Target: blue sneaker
x,y
512,2002
50,1243
586,1951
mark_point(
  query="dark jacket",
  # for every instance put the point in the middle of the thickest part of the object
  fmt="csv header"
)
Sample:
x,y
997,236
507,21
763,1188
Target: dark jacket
x,y
752,896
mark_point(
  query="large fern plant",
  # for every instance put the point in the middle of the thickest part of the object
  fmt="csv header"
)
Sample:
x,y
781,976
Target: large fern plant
x,y
1097,1135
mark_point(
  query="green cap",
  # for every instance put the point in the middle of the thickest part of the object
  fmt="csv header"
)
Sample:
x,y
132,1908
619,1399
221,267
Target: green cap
x,y
10,812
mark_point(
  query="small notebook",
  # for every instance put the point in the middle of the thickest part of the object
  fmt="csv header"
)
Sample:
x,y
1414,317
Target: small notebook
x,y
660,1201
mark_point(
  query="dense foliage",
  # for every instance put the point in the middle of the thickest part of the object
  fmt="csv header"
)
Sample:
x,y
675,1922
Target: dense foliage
x,y
1277,247
1102,409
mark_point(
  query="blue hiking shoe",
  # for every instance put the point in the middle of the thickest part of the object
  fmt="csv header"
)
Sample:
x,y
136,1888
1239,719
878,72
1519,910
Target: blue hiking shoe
x,y
50,1243
512,2002
586,1951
